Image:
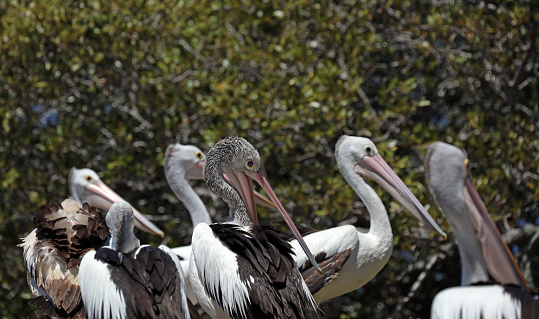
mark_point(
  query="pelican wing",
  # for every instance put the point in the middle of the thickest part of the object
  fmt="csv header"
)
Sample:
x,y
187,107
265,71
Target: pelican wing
x,y
331,268
332,248
266,280
147,286
53,252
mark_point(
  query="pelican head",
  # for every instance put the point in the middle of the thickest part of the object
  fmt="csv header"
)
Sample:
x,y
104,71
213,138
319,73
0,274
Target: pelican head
x,y
238,159
188,160
86,186
121,222
482,249
368,163
185,158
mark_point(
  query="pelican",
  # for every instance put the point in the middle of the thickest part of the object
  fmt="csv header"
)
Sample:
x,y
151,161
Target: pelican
x,y
240,269
349,258
482,251
53,251
126,280
183,163
86,186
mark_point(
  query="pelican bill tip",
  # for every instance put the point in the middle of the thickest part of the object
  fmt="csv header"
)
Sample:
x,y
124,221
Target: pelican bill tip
x,y
441,232
318,269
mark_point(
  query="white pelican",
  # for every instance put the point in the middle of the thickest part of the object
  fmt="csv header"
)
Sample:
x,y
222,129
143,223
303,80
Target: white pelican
x,y
86,186
349,258
126,280
483,253
240,269
53,251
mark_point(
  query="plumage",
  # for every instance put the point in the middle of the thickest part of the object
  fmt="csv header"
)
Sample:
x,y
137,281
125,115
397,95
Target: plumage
x,y
126,280
483,253
489,301
53,251
240,269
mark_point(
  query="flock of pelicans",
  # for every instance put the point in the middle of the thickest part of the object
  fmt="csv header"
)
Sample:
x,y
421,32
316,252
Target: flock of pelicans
x,y
83,265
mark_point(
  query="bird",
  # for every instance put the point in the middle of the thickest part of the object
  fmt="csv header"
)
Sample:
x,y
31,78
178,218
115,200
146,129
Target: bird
x,y
350,258
86,186
483,252
127,280
240,269
181,164
53,251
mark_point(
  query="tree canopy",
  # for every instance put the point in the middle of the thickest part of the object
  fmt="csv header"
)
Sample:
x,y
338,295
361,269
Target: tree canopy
x,y
108,85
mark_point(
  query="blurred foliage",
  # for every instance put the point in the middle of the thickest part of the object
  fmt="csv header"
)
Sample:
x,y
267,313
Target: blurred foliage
x,y
110,85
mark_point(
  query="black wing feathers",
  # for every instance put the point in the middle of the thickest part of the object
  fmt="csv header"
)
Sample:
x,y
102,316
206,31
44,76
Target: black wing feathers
x,y
268,269
150,282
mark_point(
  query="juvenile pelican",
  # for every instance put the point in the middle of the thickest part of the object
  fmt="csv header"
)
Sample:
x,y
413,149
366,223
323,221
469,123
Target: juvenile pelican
x,y
240,269
183,163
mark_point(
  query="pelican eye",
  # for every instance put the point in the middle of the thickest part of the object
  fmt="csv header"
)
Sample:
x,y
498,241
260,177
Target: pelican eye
x,y
250,165
368,149
199,155
466,163
88,178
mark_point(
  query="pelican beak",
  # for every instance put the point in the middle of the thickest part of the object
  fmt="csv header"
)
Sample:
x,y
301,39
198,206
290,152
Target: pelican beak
x,y
243,185
101,196
378,170
196,173
260,179
498,257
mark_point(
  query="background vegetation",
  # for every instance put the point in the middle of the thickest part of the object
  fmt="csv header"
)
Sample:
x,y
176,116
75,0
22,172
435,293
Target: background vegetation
x,y
110,85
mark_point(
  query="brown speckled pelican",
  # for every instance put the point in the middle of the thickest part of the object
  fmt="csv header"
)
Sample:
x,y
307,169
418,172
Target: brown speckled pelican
x,y
53,251
483,252
240,269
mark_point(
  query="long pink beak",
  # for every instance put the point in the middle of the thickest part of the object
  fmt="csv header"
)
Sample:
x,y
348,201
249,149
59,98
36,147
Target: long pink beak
x,y
101,196
498,257
376,168
247,194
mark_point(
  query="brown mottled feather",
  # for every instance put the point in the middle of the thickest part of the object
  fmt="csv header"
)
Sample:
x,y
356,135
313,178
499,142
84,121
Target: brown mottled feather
x,y
331,267
53,251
